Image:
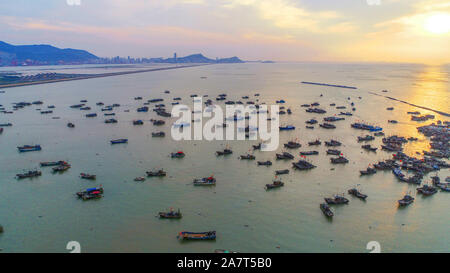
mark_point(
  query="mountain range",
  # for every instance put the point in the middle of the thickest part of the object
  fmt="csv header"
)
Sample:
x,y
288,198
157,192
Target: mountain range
x,y
12,55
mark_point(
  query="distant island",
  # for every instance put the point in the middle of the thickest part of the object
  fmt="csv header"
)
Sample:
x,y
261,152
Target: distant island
x,y
25,55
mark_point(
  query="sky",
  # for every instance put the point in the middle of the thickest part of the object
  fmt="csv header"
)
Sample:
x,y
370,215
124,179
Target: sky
x,y
411,31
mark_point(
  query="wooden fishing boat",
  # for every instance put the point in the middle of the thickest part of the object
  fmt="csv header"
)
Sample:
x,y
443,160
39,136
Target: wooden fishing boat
x,y
186,235
88,176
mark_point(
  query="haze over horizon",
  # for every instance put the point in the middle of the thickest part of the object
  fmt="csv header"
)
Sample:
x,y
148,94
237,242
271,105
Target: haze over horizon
x,y
416,31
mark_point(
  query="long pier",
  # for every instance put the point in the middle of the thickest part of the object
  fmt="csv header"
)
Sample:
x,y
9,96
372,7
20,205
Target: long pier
x,y
91,76
331,85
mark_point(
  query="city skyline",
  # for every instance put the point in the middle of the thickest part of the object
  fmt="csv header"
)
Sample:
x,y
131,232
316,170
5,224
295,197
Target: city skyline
x,y
416,31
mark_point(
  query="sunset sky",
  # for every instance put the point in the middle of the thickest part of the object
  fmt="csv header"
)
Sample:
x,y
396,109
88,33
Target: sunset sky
x,y
282,30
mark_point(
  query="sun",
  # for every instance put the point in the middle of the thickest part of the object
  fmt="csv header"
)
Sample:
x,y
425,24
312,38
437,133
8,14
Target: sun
x,y
438,23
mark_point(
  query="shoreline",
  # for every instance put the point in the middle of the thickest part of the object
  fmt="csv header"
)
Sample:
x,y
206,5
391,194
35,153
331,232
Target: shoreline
x,y
91,76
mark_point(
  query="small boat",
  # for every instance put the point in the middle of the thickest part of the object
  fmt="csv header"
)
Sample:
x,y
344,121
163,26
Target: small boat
x,y
29,148
208,235
326,210
333,143
337,200
138,122
119,141
427,190
309,153
292,145
28,174
285,155
275,184
286,128
366,138
339,160
52,163
356,193
91,115
91,193
178,154
85,108
140,178
61,168
224,152
257,147
264,163
327,126
407,199
248,157
333,152
158,134
368,171
368,147
444,187
157,173
303,165
206,181
171,214
158,122
316,142
111,120
392,121
278,172
70,125
88,176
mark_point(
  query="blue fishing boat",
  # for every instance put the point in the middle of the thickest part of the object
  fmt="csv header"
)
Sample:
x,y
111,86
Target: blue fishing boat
x,y
286,128
118,141
143,109
29,148
91,115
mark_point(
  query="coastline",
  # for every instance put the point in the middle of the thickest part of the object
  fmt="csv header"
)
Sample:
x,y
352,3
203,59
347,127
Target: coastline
x,y
84,77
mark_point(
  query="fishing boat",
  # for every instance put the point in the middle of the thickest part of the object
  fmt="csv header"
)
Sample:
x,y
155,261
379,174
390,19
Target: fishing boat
x,y
142,109
138,122
333,143
427,190
91,193
309,127
29,148
356,193
292,145
248,157
28,174
52,163
178,154
337,200
158,122
88,176
339,160
275,184
368,171
309,153
326,210
205,181
406,200
208,235
366,138
278,172
368,147
91,115
285,155
287,128
333,152
316,142
264,163
333,119
327,126
444,187
157,173
119,141
139,179
85,108
171,214
111,120
61,168
224,152
158,134
6,124
303,165
70,125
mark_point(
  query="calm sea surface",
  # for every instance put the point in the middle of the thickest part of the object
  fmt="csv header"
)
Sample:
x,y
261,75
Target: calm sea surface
x,y
43,214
